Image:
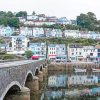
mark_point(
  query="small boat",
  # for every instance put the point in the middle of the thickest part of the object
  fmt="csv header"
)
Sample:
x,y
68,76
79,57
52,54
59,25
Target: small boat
x,y
80,70
95,69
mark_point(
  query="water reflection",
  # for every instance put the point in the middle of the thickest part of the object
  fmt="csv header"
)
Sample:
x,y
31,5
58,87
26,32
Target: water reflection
x,y
72,86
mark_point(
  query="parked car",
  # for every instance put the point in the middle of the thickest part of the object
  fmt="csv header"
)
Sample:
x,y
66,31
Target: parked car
x,y
35,57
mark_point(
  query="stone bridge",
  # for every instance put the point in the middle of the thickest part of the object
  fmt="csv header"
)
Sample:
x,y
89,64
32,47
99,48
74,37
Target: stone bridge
x,y
19,78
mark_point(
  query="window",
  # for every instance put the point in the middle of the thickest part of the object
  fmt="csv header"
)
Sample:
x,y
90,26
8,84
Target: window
x,y
80,53
72,53
91,54
72,50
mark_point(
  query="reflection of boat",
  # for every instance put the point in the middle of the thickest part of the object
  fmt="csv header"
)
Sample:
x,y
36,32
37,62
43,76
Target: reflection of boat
x,y
96,69
80,70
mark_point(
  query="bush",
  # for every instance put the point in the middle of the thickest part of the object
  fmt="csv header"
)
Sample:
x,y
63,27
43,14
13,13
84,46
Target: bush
x,y
28,54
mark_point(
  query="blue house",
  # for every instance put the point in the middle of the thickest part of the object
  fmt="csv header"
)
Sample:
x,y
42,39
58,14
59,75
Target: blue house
x,y
38,49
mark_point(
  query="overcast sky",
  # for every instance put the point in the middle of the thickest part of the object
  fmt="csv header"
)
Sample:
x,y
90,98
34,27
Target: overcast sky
x,y
59,8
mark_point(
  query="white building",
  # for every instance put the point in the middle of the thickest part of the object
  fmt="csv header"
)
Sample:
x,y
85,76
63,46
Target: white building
x,y
6,31
72,33
82,53
90,53
75,52
19,45
32,17
26,31
38,32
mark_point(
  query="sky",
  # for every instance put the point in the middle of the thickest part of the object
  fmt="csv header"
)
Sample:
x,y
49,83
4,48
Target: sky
x,y
60,8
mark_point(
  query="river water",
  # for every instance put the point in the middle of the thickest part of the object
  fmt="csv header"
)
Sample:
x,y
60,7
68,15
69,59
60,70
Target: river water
x,y
70,86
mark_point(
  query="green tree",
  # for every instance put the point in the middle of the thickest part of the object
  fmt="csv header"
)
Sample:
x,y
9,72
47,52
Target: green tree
x,y
13,22
87,21
21,14
9,14
28,54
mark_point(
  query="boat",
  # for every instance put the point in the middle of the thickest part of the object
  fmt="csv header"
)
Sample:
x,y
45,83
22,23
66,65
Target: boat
x,y
80,70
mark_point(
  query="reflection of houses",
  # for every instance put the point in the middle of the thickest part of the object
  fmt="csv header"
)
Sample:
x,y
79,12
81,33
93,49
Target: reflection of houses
x,y
82,80
57,81
19,45
38,49
56,50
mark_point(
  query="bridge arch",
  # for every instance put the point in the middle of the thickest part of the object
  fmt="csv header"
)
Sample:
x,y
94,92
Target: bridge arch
x,y
13,87
36,71
29,77
41,67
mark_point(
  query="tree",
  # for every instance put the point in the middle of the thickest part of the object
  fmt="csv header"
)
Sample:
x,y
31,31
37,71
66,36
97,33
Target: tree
x,y
28,54
87,21
21,14
9,14
13,22
33,13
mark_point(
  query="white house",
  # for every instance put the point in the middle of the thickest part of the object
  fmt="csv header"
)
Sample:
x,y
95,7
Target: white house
x,y
90,53
32,17
19,44
6,31
72,33
26,31
78,52
38,32
56,33
75,52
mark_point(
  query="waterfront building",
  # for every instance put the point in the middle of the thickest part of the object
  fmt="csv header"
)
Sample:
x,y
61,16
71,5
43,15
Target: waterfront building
x,y
19,45
38,49
75,52
57,51
78,52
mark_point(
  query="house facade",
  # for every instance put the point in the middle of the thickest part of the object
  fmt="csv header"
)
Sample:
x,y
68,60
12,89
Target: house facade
x,y
19,44
26,31
57,51
6,31
38,49
82,53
